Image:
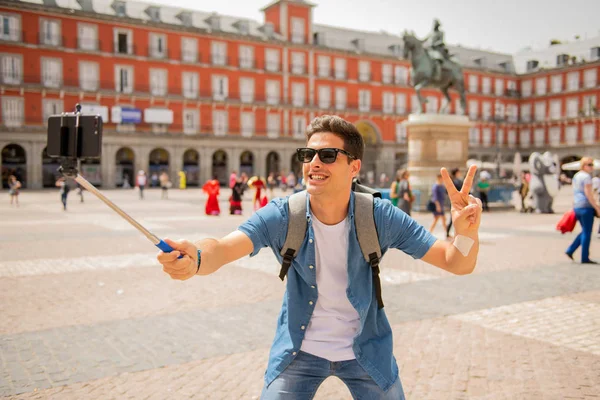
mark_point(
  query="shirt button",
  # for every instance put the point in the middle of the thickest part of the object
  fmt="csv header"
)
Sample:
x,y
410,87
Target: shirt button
x,y
310,302
312,286
303,327
310,240
310,266
294,353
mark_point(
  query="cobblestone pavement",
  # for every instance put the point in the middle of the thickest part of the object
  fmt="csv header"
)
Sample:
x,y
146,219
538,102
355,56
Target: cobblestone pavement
x,y
87,313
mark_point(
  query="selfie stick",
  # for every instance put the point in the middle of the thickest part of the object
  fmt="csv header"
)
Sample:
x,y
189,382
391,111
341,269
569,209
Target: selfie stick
x,y
68,168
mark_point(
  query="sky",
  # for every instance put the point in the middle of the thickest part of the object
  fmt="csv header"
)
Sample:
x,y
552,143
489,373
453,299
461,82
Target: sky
x,y
505,26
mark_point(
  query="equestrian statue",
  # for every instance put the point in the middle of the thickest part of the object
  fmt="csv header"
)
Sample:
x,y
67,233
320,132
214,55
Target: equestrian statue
x,y
433,66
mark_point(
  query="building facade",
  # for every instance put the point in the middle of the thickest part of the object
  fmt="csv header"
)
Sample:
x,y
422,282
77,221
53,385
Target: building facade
x,y
208,93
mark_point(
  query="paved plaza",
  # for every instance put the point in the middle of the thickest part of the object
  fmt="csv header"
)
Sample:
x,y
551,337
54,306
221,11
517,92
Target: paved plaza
x,y
87,313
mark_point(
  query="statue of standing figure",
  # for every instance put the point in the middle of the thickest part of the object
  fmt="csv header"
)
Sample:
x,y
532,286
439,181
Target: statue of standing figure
x,y
438,49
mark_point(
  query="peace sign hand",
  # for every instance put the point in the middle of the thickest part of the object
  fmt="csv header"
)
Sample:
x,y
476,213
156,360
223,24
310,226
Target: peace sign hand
x,y
465,209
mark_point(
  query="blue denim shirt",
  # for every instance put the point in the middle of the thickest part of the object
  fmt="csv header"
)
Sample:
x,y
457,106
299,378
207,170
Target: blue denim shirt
x,y
373,343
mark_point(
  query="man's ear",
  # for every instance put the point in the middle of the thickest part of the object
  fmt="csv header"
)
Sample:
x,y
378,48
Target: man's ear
x,y
355,167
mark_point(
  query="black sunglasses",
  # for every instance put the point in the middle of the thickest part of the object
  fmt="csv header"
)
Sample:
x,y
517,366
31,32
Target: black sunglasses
x,y
327,155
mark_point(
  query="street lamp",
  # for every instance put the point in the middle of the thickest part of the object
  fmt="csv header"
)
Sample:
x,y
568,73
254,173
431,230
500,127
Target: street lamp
x,y
499,117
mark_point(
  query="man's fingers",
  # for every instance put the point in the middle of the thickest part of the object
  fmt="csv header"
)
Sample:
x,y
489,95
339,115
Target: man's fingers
x,y
167,257
450,188
468,183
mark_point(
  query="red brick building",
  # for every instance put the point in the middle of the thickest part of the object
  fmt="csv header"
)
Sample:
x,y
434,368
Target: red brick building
x,y
208,93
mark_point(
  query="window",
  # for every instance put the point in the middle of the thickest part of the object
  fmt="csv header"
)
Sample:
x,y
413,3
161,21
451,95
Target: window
x,y
298,63
246,55
386,73
340,68
554,136
388,102
299,126
486,85
364,100
87,37
298,94
555,109
189,50
473,83
219,87
88,75
512,112
540,86
324,97
557,85
246,90
273,92
189,83
473,109
589,136
12,69
324,64
273,125
10,27
525,112
590,78
220,122
400,75
247,124
272,60
512,138
486,137
571,135
364,71
297,30
526,88
400,132
123,41
400,103
572,107
218,51
525,138
540,111
499,87
50,34
340,98
158,82
51,72
474,136
595,53
191,121
12,111
124,79
539,137
486,107
573,80
415,105
500,137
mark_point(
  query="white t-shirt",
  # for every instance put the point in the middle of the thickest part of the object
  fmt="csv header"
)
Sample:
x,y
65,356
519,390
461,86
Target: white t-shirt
x,y
335,322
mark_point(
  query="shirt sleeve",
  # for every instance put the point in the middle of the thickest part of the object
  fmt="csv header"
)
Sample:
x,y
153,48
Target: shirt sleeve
x,y
398,230
267,227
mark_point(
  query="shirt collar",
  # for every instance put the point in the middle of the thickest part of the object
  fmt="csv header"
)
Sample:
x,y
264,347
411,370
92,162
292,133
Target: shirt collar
x,y
350,206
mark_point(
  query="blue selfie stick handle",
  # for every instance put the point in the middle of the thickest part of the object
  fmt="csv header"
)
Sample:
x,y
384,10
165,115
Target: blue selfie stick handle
x,y
166,248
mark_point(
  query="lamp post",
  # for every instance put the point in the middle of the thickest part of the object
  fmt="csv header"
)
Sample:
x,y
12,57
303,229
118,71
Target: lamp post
x,y
499,117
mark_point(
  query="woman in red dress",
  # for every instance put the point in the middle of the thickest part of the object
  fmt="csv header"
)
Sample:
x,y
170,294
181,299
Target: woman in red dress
x,y
258,183
212,189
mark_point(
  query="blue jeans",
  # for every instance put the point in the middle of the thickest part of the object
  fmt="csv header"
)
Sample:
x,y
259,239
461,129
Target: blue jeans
x,y
585,216
301,379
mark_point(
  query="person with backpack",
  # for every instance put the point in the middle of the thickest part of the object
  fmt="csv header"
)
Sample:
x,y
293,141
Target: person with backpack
x,y
330,239
64,191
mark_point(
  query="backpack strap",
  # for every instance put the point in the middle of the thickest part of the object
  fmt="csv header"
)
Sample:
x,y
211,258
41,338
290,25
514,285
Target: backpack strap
x,y
366,232
296,230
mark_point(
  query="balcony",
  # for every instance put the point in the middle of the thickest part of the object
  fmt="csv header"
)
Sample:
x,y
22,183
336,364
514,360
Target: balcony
x,y
364,76
298,69
50,40
219,60
124,49
271,66
158,52
325,72
247,63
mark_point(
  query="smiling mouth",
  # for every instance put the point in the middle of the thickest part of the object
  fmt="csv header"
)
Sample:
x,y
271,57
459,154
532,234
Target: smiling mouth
x,y
317,177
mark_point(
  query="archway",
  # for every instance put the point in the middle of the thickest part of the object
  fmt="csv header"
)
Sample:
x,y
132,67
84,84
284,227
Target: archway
x,y
91,170
14,162
219,166
191,167
50,167
568,159
273,163
247,163
158,162
400,161
372,139
296,166
125,163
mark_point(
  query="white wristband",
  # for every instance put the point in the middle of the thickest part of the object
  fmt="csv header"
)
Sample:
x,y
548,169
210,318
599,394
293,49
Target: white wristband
x,y
463,244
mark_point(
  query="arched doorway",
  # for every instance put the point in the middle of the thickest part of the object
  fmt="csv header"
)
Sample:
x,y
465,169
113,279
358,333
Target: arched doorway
x,y
369,171
50,167
273,163
158,162
568,159
400,161
219,166
14,162
296,166
125,162
247,163
191,167
91,170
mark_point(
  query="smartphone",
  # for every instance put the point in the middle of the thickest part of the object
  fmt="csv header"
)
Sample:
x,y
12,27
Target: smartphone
x,y
64,140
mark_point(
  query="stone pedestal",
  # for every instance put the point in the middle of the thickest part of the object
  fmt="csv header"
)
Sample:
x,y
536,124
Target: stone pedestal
x,y
435,141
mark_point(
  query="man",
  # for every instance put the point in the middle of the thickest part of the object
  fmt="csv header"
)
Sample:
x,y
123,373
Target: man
x,y
456,175
330,322
440,52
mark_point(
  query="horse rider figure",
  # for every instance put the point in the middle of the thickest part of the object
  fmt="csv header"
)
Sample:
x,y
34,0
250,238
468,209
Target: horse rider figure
x,y
438,50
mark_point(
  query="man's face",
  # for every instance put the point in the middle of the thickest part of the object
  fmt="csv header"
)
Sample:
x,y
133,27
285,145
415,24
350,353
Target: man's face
x,y
323,179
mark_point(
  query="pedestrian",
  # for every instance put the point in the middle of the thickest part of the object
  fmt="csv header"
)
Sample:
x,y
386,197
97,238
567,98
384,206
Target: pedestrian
x,y
458,182
483,186
80,192
212,188
64,191
232,179
140,182
405,196
235,201
258,184
271,183
524,192
165,184
438,197
182,180
14,187
585,208
331,322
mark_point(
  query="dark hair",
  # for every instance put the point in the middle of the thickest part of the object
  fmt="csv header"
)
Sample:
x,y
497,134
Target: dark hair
x,y
455,171
353,140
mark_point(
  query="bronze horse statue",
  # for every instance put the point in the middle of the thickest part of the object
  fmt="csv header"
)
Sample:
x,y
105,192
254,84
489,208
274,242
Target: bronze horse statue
x,y
423,73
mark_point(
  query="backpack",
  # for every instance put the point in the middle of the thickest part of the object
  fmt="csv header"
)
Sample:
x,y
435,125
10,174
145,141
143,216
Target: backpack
x,y
365,231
